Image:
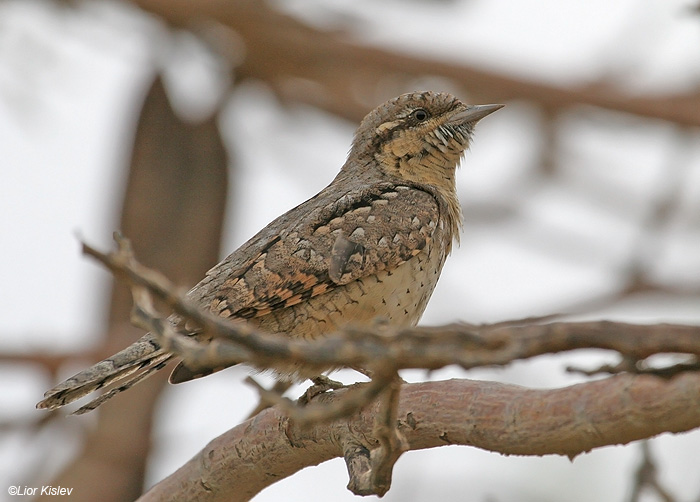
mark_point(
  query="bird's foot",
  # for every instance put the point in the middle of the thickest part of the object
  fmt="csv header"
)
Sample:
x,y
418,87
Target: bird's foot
x,y
321,384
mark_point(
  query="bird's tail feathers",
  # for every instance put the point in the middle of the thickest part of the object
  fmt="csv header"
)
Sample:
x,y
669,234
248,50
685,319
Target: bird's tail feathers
x,y
129,366
134,377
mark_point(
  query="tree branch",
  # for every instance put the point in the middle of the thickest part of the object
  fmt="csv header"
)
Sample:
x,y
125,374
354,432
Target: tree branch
x,y
497,417
466,345
571,420
392,442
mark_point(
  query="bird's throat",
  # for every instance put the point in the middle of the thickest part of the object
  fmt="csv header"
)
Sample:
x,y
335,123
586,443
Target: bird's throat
x,y
435,170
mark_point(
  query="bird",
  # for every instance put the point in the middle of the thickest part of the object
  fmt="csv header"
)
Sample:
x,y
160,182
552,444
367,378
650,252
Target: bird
x,y
370,246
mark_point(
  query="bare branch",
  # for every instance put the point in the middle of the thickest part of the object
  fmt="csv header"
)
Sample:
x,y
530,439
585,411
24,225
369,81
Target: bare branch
x,y
627,365
384,349
465,345
392,443
505,418
646,478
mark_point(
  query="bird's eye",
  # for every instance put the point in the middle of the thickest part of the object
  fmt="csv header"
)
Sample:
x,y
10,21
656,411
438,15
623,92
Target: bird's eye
x,y
420,115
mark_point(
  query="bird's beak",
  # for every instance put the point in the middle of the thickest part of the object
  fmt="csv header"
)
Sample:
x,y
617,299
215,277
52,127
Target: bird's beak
x,y
474,113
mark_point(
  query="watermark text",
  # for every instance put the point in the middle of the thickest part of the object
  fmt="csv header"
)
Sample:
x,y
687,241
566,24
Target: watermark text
x,y
32,491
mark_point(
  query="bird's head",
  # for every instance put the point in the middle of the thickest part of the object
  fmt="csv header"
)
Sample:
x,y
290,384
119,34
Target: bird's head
x,y
419,137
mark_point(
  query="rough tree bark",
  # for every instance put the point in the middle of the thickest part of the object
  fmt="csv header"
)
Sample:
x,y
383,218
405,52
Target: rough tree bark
x,y
497,417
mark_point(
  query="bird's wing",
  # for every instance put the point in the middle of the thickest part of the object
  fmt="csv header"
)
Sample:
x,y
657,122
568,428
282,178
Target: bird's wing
x,y
302,254
359,234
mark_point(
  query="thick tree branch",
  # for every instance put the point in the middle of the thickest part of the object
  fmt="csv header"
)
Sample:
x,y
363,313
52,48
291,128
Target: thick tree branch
x,y
493,416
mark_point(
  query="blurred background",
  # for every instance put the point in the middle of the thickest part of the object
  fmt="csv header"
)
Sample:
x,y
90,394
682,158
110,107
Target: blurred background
x,y
190,125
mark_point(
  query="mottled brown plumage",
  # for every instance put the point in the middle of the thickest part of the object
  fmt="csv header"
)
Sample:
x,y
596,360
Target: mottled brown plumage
x,y
370,245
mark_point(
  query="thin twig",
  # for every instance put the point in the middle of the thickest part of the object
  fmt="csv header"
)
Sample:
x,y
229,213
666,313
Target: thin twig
x,y
647,478
392,443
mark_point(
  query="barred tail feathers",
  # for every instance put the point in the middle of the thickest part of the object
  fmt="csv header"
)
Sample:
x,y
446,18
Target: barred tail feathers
x,y
144,354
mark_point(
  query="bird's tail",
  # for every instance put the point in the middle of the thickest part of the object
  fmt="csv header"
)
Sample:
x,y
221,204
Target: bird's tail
x,y
128,367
